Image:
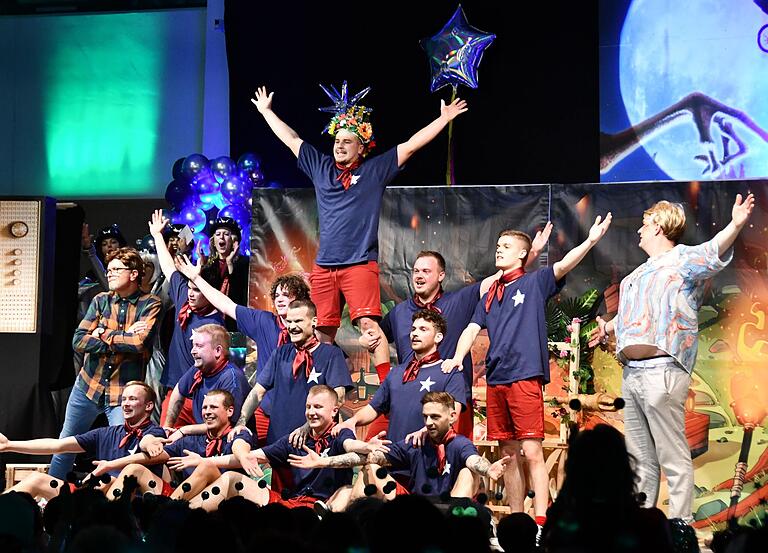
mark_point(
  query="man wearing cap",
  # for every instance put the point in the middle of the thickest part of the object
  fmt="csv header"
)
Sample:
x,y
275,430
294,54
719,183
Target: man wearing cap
x,y
349,190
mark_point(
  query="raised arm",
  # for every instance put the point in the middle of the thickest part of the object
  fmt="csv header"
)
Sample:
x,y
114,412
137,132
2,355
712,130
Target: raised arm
x,y
428,133
251,403
463,346
156,226
40,446
739,217
573,257
219,300
286,134
89,249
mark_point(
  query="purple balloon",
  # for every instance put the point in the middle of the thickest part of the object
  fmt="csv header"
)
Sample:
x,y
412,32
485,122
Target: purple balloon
x,y
249,161
223,167
194,165
179,194
238,213
234,190
252,177
205,184
194,217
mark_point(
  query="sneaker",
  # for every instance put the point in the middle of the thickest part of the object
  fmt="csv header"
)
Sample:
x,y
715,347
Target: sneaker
x,y
321,509
539,531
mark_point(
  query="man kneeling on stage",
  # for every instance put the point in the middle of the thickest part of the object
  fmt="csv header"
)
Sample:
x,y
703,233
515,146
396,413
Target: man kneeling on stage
x,y
447,463
304,485
197,456
109,443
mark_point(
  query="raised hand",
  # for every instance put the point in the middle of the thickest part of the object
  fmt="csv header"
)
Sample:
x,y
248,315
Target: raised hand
x,y
231,257
157,223
184,265
742,209
262,101
541,238
455,108
86,239
599,227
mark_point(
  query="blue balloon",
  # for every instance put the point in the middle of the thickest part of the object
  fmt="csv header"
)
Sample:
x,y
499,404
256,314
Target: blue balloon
x,y
146,244
252,177
249,161
234,190
194,217
179,194
195,165
205,184
176,171
223,167
238,213
455,52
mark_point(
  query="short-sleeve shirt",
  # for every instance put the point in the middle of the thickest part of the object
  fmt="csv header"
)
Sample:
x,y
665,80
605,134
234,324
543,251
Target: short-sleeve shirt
x,y
659,301
402,402
104,444
517,328
319,482
457,308
421,463
290,395
348,219
196,443
231,378
180,348
261,327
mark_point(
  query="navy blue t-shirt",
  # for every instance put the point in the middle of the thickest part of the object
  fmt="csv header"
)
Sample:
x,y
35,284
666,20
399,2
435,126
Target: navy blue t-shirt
x,y
261,327
517,328
348,219
231,379
403,401
103,443
319,482
290,395
180,348
419,460
457,308
196,443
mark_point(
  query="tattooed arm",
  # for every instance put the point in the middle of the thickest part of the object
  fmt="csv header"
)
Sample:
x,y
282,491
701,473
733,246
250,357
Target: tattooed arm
x,y
483,467
347,460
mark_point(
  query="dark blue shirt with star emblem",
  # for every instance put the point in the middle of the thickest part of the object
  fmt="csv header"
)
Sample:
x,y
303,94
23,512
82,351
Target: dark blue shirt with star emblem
x,y
289,397
402,402
421,464
348,219
517,328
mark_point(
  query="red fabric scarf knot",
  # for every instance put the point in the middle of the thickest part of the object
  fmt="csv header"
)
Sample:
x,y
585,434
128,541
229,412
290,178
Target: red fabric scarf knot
x,y
200,374
133,432
430,305
345,177
215,445
497,288
321,443
284,337
304,357
412,370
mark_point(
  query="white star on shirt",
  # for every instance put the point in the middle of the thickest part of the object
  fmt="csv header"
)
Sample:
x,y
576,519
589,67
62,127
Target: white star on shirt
x,y
426,384
313,376
354,179
325,452
132,451
447,469
519,297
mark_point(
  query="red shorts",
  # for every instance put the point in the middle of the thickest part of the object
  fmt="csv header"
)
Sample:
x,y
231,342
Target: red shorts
x,y
292,503
167,489
516,411
466,423
262,425
185,416
359,286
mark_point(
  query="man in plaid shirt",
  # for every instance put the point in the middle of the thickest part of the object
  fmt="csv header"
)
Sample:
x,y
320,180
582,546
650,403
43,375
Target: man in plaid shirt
x,y
116,336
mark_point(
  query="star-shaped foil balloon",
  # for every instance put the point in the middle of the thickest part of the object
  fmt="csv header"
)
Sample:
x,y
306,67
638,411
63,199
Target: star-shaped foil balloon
x,y
341,101
455,52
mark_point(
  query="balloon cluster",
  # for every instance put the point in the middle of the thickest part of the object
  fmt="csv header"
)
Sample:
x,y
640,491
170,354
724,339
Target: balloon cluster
x,y
203,190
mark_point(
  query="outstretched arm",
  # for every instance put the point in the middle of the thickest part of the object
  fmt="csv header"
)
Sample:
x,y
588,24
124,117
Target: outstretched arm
x,y
483,467
156,225
573,257
466,340
40,446
219,300
286,134
344,461
428,133
739,217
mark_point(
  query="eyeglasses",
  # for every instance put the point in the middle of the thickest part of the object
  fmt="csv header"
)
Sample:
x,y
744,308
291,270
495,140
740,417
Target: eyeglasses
x,y
116,270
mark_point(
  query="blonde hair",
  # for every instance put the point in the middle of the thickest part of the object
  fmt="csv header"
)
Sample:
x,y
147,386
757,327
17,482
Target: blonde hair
x,y
669,216
219,335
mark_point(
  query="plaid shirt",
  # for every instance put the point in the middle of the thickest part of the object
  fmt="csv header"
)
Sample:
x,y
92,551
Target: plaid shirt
x,y
117,356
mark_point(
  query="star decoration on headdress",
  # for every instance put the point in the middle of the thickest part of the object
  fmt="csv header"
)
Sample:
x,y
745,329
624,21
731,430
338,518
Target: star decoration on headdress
x,y
341,101
455,52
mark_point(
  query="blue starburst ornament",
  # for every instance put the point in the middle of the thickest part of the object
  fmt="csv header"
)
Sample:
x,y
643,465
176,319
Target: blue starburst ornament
x,y
341,101
348,114
455,52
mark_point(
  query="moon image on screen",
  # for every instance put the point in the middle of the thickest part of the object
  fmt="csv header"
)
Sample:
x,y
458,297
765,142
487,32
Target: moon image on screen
x,y
670,49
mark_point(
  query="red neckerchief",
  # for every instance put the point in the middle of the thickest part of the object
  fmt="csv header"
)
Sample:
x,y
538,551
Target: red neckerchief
x,y
133,431
346,173
430,305
321,443
200,373
497,288
284,337
412,370
214,445
186,312
224,274
450,435
304,357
